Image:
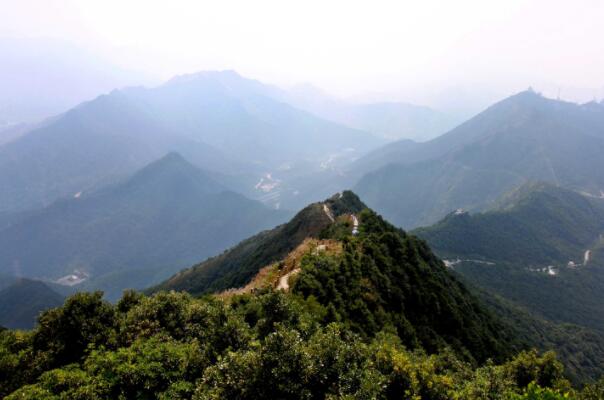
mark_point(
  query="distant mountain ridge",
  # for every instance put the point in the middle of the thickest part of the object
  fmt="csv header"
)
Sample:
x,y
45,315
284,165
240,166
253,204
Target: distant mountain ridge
x,y
391,120
131,234
536,224
220,121
523,138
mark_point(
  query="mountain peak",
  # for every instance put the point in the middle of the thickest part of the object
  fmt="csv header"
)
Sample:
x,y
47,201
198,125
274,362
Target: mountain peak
x,y
235,267
170,160
346,202
527,97
211,74
174,174
173,157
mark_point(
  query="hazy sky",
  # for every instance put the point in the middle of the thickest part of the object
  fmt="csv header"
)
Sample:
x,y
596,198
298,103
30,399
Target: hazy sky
x,y
347,47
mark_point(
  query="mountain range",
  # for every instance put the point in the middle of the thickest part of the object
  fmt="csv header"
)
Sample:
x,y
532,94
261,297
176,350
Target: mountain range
x,y
523,138
126,190
219,121
537,224
360,309
390,120
42,77
543,249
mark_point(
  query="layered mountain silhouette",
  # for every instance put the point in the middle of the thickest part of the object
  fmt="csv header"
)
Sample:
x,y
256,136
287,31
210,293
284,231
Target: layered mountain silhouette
x,y
219,121
523,138
131,234
391,120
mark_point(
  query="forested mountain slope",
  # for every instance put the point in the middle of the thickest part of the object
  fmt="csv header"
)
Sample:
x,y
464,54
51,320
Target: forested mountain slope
x,y
236,266
541,250
382,278
367,312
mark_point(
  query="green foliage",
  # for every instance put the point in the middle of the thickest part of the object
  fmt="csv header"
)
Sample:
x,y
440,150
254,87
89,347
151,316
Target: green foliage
x,y
386,279
268,345
63,334
594,391
236,266
536,226
383,319
535,392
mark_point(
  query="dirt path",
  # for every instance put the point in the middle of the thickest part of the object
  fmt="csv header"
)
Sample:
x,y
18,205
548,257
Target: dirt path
x,y
327,212
283,281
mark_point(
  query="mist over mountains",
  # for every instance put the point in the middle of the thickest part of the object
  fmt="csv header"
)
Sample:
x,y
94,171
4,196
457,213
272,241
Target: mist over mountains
x,y
44,77
222,186
301,200
76,173
220,121
391,120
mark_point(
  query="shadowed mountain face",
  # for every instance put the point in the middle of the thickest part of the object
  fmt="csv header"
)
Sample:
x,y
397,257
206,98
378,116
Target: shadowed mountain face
x,y
134,233
22,301
219,121
523,138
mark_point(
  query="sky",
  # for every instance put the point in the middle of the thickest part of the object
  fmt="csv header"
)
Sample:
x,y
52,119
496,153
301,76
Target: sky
x,y
407,50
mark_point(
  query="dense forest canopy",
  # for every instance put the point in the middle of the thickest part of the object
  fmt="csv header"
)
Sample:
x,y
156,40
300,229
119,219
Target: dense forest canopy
x,y
266,345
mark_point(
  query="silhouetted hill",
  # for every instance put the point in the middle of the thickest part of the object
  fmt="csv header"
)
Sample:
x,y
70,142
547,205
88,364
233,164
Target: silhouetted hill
x,y
134,233
22,301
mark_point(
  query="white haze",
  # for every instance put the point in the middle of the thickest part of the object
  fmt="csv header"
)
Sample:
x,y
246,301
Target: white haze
x,y
453,55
